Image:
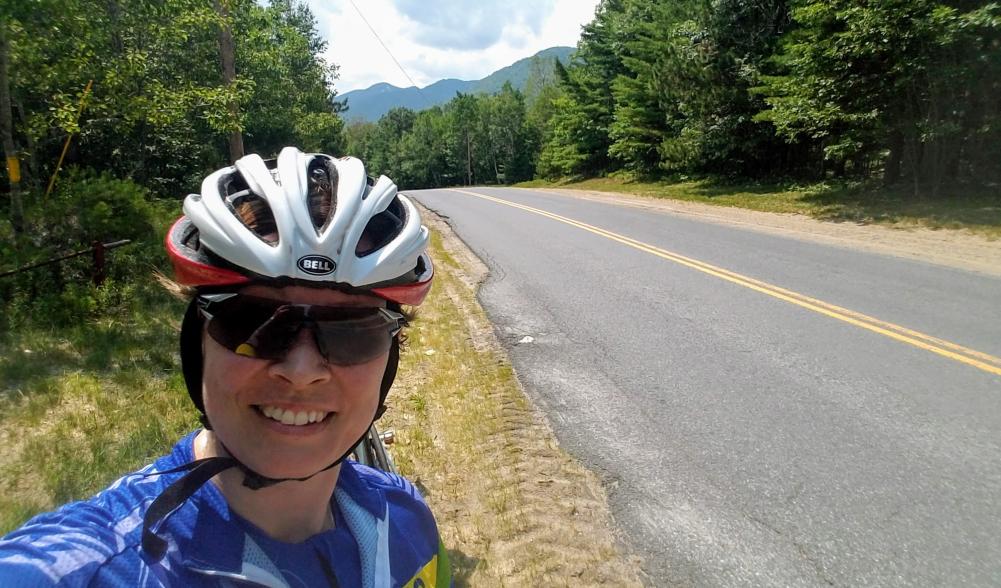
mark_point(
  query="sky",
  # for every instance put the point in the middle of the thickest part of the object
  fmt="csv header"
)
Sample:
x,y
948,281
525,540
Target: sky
x,y
438,39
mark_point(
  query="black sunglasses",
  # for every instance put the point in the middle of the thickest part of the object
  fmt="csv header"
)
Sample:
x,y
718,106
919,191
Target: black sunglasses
x,y
264,328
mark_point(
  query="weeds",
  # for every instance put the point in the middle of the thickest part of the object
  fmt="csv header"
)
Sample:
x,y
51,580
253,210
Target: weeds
x,y
85,404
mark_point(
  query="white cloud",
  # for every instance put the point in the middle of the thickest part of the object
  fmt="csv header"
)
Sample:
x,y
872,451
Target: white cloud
x,y
460,24
436,39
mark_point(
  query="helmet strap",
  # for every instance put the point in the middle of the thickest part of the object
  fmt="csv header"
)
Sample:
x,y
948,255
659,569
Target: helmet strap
x,y
192,359
388,377
199,472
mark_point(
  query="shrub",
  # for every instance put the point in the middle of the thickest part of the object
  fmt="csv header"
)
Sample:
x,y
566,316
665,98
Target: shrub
x,y
92,206
86,207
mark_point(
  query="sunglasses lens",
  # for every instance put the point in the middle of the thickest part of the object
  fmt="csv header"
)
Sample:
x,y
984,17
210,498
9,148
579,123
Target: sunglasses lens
x,y
353,342
266,329
234,321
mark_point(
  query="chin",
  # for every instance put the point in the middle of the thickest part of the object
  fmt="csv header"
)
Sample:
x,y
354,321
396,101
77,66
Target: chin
x,y
288,469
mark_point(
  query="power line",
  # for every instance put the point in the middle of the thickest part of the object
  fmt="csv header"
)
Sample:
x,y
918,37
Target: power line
x,y
393,57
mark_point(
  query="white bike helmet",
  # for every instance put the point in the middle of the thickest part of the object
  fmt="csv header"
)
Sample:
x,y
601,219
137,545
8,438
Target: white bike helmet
x,y
318,221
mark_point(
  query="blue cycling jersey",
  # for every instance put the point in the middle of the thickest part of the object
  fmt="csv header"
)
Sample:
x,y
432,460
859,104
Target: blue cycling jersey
x,y
384,535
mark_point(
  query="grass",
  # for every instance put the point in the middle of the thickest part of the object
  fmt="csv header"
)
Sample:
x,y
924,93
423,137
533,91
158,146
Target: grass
x,y
75,403
977,211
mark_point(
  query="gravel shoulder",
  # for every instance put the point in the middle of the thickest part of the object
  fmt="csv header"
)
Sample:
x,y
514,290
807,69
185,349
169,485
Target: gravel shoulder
x,y
951,248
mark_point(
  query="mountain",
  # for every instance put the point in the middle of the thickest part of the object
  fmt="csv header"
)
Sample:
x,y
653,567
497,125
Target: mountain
x,y
373,102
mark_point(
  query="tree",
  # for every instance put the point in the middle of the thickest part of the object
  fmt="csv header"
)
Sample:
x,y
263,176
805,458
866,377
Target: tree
x,y
292,100
229,76
580,140
6,130
894,83
508,153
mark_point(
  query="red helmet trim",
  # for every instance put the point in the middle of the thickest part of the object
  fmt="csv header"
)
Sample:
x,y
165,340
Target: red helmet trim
x,y
194,273
409,294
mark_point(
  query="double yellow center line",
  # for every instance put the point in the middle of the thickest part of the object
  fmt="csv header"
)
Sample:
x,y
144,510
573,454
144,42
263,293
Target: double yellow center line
x,y
977,359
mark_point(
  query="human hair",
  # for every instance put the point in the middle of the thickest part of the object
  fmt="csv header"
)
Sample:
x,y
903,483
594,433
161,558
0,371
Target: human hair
x,y
255,213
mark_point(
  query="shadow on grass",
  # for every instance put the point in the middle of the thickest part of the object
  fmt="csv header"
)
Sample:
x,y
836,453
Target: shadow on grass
x,y
722,188
463,567
142,336
977,210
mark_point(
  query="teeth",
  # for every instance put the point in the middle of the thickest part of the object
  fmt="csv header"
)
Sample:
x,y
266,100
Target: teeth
x,y
287,417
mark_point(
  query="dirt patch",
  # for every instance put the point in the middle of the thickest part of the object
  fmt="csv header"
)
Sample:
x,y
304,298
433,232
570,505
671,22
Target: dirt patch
x,y
513,508
951,248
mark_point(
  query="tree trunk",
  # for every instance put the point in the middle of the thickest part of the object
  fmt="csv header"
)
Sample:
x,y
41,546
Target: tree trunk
x,y
7,130
469,162
891,172
228,75
33,171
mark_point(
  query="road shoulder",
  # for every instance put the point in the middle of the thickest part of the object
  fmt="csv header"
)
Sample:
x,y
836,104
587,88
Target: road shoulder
x,y
950,248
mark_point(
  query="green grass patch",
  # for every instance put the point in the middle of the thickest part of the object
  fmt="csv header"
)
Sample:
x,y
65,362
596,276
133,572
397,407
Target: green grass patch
x,y
975,210
80,405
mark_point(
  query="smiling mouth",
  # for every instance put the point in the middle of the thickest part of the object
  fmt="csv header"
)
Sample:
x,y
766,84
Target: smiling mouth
x,y
288,417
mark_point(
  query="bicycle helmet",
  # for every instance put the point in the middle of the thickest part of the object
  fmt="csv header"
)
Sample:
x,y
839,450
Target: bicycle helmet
x,y
320,221
306,219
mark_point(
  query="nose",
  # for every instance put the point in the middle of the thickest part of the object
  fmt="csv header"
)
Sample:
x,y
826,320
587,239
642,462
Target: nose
x,y
303,365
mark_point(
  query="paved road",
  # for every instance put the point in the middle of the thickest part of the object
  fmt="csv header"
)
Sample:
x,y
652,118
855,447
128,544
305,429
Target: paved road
x,y
749,436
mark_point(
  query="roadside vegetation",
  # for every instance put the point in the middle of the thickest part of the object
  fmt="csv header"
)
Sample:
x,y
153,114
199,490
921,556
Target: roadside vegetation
x,y
976,212
89,383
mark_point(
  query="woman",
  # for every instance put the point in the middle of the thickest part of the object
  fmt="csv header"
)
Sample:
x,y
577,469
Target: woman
x,y
296,270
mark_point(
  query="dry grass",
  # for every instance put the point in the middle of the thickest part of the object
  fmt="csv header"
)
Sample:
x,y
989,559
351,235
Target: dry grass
x,y
514,509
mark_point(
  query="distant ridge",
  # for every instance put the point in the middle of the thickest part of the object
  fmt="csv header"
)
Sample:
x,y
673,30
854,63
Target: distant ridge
x,y
373,102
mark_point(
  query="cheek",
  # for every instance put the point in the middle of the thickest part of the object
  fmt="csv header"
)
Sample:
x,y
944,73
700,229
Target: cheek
x,y
363,381
223,376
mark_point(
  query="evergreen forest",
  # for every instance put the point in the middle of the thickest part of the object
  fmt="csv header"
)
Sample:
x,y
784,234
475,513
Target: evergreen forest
x,y
900,92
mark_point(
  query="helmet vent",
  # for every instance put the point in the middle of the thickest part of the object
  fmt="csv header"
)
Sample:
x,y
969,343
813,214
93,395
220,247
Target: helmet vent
x,y
382,228
252,210
321,176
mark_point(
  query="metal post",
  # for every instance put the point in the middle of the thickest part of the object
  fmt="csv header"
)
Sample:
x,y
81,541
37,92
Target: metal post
x,y
100,271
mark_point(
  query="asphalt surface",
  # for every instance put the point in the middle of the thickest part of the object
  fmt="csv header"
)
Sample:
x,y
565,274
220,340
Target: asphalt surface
x,y
746,440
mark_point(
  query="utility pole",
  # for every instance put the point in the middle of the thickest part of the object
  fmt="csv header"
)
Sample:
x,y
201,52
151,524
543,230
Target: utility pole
x,y
7,130
469,161
228,75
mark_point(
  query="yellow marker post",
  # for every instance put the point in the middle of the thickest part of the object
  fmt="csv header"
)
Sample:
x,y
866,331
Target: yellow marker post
x,y
14,170
66,145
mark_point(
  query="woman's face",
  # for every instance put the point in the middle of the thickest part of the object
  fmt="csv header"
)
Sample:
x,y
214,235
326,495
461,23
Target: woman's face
x,y
248,399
